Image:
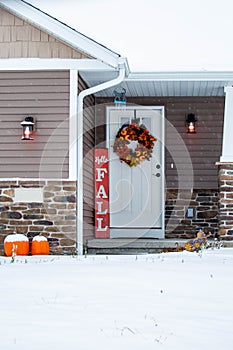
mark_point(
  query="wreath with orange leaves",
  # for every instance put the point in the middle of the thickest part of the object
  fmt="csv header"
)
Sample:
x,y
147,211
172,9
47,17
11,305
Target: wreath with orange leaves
x,y
144,148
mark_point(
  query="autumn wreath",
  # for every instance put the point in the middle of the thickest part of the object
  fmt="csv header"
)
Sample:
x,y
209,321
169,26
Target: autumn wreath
x,y
144,146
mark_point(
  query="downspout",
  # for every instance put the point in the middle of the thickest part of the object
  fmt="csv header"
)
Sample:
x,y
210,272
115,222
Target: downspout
x,y
80,193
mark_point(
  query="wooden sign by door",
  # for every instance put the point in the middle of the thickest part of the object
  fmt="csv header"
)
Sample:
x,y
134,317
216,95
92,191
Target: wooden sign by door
x,y
101,193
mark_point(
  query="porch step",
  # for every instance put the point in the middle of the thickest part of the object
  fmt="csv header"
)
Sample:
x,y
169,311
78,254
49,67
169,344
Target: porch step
x,y
137,246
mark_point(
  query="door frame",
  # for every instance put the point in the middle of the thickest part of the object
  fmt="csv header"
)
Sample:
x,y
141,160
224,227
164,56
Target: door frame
x,y
133,107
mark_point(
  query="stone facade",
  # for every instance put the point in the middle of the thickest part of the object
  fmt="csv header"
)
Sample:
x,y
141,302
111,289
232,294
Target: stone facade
x,y
226,200
54,217
205,205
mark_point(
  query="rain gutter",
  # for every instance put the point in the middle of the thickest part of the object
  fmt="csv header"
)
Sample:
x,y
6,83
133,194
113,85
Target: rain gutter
x,y
181,76
122,66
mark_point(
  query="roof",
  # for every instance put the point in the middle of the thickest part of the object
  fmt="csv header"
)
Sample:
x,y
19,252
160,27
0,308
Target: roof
x,y
176,83
60,30
137,84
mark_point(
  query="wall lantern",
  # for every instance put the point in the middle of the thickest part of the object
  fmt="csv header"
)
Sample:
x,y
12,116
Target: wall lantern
x,y
28,127
190,123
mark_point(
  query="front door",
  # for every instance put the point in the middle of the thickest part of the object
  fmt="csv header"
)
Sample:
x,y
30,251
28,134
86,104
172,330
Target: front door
x,y
136,194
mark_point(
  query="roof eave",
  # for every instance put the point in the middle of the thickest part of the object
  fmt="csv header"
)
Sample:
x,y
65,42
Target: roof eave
x,y
61,31
181,76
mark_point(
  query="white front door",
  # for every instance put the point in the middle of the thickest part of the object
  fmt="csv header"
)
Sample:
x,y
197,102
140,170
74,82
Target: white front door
x,y
136,194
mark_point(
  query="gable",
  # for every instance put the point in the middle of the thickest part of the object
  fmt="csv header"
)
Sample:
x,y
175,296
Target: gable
x,y
19,39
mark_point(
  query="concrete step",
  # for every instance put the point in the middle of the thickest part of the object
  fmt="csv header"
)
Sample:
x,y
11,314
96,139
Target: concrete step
x,y
120,245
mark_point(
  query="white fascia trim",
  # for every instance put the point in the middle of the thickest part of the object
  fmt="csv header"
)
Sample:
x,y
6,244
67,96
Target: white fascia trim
x,y
52,64
62,32
227,146
181,76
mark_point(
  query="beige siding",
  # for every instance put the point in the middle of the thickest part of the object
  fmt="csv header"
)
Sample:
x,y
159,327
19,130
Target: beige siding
x,y
204,147
45,96
88,163
19,39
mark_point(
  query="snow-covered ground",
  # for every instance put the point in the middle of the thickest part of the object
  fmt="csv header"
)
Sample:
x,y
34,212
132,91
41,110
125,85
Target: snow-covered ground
x,y
164,301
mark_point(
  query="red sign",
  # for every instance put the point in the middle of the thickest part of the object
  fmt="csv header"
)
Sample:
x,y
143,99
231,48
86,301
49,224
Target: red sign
x,y
101,194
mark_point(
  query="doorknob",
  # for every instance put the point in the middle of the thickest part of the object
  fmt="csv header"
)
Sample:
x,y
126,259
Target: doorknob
x,y
157,174
158,166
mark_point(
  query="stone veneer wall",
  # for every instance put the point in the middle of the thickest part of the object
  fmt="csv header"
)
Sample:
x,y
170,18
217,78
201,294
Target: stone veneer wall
x,y
205,204
226,200
55,218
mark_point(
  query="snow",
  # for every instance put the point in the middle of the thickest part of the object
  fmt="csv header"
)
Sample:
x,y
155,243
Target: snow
x,y
16,237
160,35
160,301
39,238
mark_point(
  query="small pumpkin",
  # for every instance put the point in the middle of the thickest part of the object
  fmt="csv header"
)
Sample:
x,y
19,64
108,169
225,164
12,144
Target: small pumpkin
x,y
197,243
40,246
16,244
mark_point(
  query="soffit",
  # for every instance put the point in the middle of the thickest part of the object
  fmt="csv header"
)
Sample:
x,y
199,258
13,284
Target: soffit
x,y
164,83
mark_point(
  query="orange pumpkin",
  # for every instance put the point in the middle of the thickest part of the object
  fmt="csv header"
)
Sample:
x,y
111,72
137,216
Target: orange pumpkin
x,y
40,246
16,244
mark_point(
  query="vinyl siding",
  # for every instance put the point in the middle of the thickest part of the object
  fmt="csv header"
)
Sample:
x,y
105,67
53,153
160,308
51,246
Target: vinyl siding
x,y
45,96
204,147
88,162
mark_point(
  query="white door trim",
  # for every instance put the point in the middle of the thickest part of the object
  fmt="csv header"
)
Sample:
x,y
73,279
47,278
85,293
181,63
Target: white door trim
x,y
108,110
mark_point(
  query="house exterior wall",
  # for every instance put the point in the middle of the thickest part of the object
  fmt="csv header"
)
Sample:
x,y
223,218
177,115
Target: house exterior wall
x,y
19,39
54,217
204,149
225,200
44,162
205,205
88,162
45,96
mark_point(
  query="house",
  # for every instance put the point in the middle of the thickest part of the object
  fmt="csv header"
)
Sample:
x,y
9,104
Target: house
x,y
67,182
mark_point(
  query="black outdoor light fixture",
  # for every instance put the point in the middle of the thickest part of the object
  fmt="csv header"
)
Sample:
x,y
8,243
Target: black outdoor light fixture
x,y
190,123
28,127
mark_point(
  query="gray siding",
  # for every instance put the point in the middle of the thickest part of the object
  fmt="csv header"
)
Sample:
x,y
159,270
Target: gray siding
x,y
204,147
88,163
45,96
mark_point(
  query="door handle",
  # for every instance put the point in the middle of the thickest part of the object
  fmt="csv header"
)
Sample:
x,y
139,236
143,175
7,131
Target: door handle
x,y
157,174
